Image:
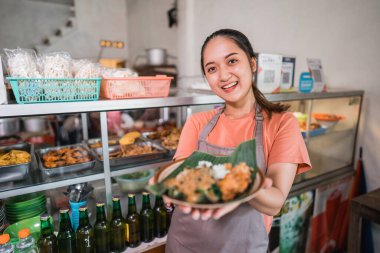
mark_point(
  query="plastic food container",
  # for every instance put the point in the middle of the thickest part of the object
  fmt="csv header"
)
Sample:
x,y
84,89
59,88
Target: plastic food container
x,y
135,87
135,181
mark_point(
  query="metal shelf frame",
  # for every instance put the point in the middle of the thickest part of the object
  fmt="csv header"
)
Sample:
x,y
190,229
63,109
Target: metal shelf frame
x,y
178,98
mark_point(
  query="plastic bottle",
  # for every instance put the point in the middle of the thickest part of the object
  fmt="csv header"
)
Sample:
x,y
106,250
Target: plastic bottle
x,y
26,242
5,245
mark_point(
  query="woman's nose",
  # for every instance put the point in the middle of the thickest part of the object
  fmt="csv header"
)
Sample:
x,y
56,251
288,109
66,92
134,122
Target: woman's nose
x,y
225,74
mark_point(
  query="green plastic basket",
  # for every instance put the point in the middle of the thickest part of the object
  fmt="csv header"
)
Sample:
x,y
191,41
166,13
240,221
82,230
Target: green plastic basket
x,y
49,90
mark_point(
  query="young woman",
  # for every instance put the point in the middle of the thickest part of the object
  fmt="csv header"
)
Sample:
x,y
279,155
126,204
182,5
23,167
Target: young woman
x,y
229,63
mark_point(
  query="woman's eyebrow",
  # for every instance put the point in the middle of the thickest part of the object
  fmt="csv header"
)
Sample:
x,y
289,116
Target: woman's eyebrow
x,y
211,62
230,55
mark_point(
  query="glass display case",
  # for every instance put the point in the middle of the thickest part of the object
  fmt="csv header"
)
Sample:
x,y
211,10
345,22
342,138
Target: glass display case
x,y
329,122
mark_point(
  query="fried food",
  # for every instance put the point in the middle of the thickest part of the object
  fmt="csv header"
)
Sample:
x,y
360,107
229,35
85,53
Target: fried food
x,y
210,183
235,182
14,157
169,136
129,138
130,150
65,157
189,182
171,140
99,144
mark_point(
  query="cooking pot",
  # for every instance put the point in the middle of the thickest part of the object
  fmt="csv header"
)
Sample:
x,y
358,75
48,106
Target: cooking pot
x,y
9,126
156,56
34,124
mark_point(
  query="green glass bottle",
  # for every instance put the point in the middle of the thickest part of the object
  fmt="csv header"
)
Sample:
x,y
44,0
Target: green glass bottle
x,y
47,242
101,230
147,220
85,233
160,218
66,235
133,223
117,227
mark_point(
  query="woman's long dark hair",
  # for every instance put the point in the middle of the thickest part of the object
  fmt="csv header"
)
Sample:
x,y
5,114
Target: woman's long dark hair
x,y
243,43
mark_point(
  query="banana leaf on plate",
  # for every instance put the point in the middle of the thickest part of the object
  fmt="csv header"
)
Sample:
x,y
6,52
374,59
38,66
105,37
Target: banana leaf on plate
x,y
245,152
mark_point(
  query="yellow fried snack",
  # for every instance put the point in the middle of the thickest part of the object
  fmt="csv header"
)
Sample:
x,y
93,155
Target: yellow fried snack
x,y
14,157
129,138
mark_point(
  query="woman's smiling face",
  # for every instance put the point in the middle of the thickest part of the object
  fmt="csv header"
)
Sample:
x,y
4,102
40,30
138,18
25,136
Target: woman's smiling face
x,y
228,70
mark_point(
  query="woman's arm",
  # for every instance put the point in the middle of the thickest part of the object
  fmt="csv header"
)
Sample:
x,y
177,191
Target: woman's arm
x,y
270,201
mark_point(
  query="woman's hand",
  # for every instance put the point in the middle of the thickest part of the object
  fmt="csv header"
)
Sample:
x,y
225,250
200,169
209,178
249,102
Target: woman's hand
x,y
206,214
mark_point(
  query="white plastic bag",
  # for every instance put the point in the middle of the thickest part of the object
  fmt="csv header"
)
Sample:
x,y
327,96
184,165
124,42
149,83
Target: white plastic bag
x,y
55,65
85,69
22,63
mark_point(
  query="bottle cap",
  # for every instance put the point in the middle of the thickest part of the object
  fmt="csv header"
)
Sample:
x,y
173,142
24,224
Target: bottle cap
x,y
44,217
99,203
145,193
131,195
4,238
23,233
115,197
64,210
83,208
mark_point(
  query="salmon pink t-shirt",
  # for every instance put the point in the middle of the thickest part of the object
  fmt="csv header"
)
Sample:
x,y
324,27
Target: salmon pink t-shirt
x,y
282,139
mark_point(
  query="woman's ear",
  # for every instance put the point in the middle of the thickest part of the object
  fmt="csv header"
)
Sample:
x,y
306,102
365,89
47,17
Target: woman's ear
x,y
253,65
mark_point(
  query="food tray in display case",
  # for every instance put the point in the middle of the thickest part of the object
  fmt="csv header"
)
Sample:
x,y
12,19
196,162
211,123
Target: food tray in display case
x,y
17,171
153,137
135,87
48,90
97,143
169,141
79,152
117,158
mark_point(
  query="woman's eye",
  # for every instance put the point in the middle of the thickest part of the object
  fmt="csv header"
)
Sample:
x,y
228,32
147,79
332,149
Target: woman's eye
x,y
211,70
232,61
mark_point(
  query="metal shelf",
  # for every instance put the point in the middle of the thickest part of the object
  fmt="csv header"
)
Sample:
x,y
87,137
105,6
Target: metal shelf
x,y
133,168
177,98
318,180
50,185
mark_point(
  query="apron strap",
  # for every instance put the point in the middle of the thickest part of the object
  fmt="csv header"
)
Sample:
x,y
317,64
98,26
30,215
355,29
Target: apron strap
x,y
260,157
210,125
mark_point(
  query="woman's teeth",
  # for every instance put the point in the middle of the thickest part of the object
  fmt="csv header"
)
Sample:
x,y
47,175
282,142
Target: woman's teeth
x,y
229,85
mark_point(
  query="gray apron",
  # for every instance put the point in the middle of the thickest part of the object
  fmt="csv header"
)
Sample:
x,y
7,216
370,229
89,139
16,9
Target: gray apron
x,y
240,231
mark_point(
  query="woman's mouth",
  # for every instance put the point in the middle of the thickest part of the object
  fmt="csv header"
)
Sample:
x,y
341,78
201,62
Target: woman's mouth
x,y
229,87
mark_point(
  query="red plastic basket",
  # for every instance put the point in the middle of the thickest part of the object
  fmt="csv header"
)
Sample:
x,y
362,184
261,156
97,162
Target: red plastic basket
x,y
135,87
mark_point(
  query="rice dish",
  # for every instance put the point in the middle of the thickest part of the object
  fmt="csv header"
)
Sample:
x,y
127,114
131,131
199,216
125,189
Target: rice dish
x,y
209,183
